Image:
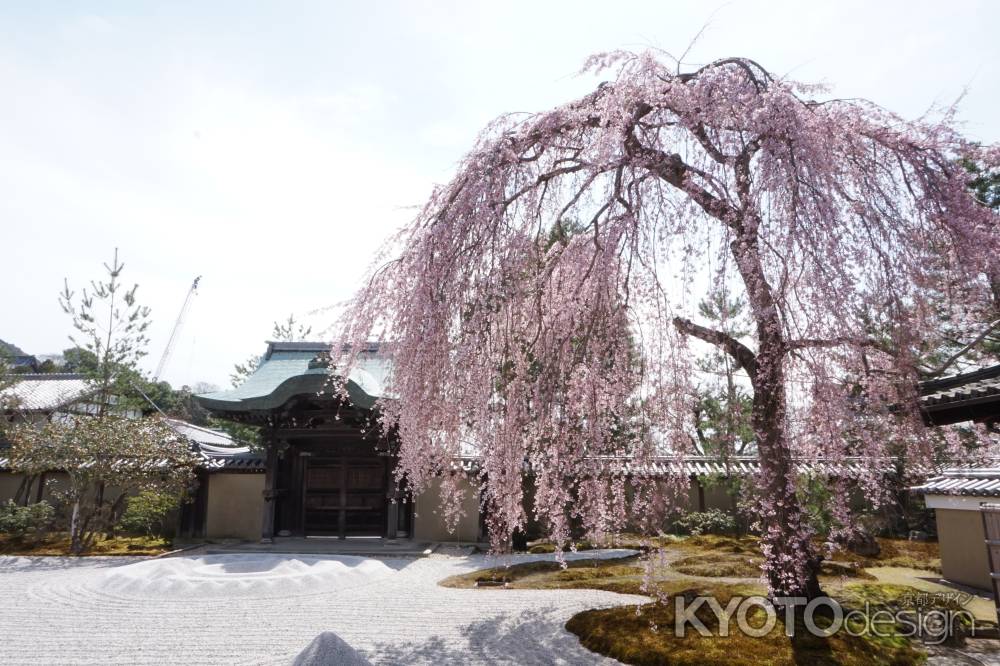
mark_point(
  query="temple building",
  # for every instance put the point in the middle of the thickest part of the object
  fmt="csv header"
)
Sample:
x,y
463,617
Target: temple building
x,y
325,469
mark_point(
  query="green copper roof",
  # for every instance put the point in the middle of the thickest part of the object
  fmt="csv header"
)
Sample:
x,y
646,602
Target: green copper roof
x,y
293,368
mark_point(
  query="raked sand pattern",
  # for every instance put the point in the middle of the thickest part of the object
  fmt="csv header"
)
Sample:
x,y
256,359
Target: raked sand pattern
x,y
269,609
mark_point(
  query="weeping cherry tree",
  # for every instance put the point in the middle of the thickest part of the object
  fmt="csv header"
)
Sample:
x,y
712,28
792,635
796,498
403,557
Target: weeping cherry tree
x,y
573,353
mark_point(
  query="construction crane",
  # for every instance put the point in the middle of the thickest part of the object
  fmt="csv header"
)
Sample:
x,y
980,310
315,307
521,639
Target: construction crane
x,y
177,327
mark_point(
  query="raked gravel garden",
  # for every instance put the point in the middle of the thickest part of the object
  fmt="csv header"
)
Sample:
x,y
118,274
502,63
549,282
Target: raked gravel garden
x,y
276,609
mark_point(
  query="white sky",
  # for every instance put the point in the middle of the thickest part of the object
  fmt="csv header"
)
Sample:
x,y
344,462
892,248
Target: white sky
x,y
271,147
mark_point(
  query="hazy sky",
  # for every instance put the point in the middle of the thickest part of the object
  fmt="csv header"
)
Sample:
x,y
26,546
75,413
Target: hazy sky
x,y
271,147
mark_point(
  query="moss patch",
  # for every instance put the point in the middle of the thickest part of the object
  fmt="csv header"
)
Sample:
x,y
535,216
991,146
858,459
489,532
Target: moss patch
x,y
896,598
745,545
894,552
844,570
58,544
981,605
622,574
719,556
543,547
924,555
648,637
719,565
627,540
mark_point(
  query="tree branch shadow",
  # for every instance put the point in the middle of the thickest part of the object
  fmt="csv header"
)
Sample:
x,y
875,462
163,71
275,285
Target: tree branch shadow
x,y
531,637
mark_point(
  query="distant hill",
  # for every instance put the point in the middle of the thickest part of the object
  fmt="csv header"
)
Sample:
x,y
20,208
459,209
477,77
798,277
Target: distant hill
x,y
11,350
18,358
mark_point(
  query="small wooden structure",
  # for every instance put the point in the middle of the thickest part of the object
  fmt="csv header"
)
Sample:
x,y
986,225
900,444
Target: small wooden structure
x,y
957,494
991,530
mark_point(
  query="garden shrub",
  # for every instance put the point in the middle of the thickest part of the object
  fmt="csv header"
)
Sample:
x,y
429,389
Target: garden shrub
x,y
29,522
713,521
106,460
146,512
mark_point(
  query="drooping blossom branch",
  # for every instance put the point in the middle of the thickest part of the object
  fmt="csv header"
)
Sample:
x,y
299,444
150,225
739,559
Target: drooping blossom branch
x,y
538,312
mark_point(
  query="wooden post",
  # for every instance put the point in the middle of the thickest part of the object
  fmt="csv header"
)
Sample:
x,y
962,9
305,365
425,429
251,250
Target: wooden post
x,y
267,524
991,531
23,494
393,497
41,488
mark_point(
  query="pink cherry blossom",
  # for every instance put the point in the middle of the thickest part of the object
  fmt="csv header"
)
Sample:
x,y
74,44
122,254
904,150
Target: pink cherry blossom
x,y
541,310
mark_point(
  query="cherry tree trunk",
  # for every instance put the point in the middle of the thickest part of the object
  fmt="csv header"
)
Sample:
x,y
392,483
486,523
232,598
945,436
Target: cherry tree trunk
x,y
791,564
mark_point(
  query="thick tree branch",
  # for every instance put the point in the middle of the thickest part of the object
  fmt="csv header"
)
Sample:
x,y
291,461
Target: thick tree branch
x,y
671,168
742,171
746,358
759,76
962,352
542,179
713,151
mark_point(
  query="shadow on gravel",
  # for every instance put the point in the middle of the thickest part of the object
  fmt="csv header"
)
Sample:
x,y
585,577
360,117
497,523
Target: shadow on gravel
x,y
532,637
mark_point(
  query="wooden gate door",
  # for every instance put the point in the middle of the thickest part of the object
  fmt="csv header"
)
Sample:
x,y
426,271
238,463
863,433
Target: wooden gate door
x,y
345,497
365,498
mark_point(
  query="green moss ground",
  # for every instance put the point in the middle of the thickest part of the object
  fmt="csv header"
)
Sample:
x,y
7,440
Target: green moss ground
x,y
58,544
645,635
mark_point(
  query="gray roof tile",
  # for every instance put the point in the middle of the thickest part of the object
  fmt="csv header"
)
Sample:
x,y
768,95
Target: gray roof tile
x,y
977,481
47,392
982,383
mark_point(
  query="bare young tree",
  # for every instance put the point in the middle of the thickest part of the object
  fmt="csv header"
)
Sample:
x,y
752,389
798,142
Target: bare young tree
x,y
111,324
105,455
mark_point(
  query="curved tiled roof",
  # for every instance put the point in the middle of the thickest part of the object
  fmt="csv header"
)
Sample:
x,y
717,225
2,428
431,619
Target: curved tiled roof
x,y
204,437
666,466
247,461
217,448
981,383
295,368
980,482
965,397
